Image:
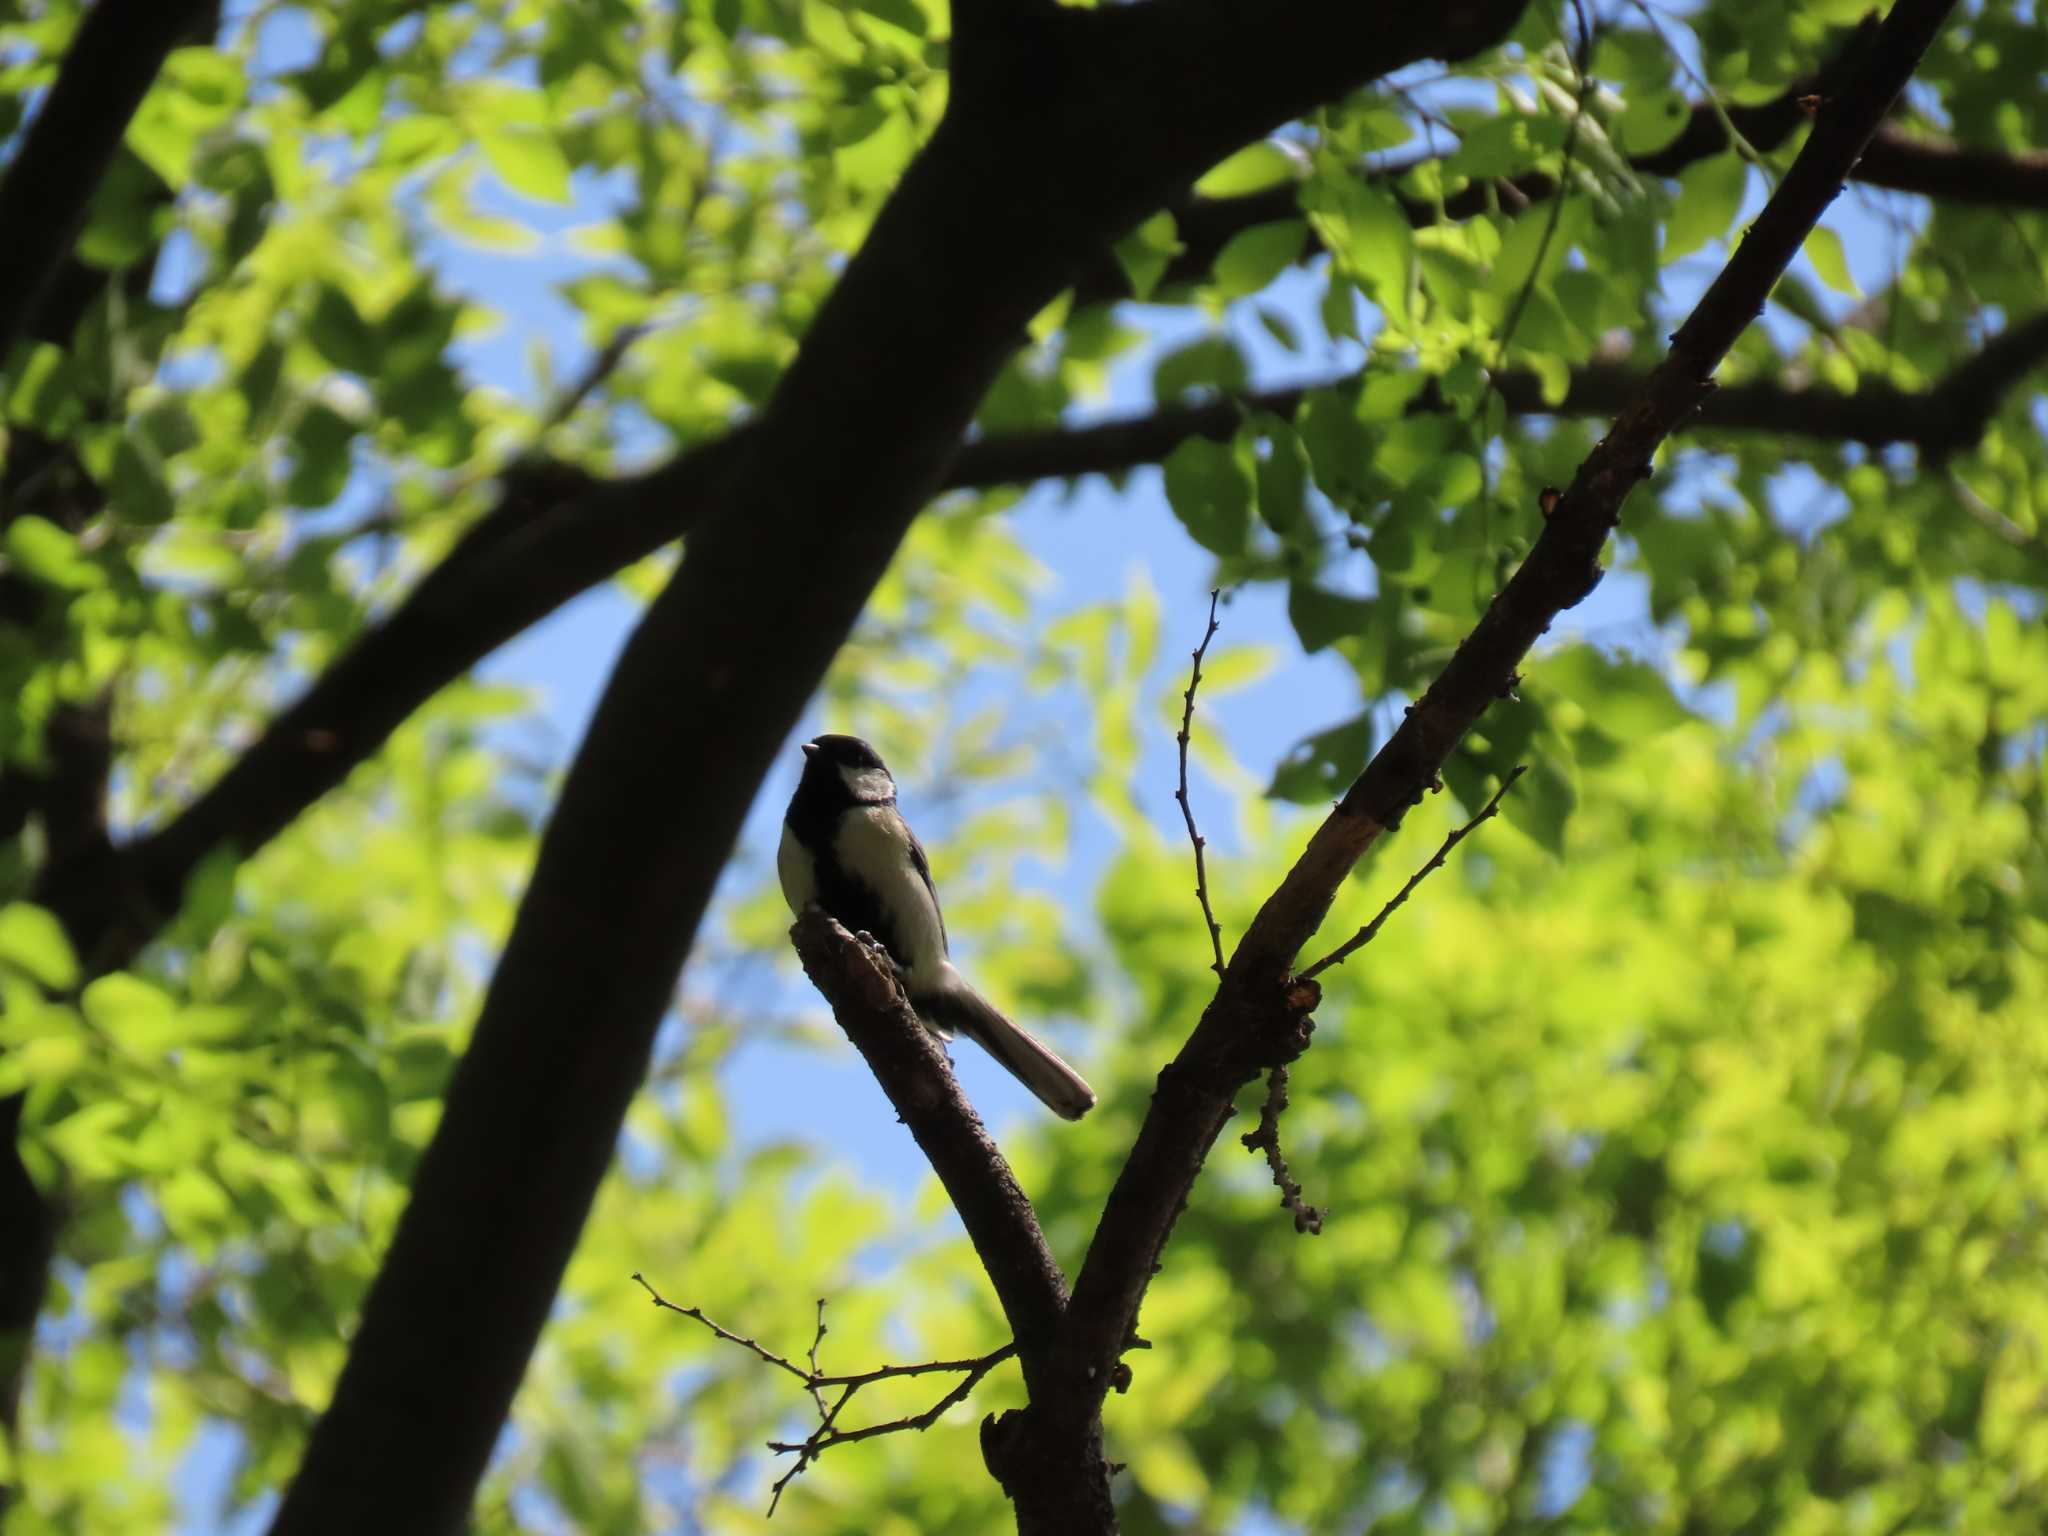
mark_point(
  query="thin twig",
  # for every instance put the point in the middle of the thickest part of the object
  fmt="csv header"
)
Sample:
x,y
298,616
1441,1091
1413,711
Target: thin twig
x,y
602,365
815,1380
827,1435
1187,720
724,1333
1307,1218
817,1339
1365,935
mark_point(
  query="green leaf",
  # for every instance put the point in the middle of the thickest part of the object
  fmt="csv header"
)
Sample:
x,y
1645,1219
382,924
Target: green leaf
x,y
129,210
1210,490
1340,446
1146,251
1204,365
196,91
321,464
137,1015
528,160
1252,169
137,488
1830,262
1283,474
193,558
1255,256
1320,616
1321,766
1502,146
1651,121
1627,699
1541,804
33,941
1369,234
39,549
45,395
1404,542
1710,194
875,162
340,333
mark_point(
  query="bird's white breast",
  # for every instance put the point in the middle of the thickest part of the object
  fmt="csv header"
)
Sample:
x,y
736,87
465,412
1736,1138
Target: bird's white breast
x,y
793,868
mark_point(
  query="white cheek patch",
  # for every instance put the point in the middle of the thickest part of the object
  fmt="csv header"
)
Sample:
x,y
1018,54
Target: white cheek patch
x,y
868,785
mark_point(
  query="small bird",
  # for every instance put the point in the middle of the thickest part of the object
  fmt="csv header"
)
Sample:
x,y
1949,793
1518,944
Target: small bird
x,y
847,848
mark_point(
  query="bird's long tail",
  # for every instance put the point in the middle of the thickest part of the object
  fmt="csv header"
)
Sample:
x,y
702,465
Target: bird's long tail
x,y
955,1005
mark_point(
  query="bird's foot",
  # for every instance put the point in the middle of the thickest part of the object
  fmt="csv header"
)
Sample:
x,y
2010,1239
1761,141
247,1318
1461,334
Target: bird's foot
x,y
881,952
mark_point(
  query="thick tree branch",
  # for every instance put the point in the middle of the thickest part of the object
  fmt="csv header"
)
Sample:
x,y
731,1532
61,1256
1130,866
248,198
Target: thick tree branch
x,y
48,186
1026,170
1954,173
1940,421
1257,1016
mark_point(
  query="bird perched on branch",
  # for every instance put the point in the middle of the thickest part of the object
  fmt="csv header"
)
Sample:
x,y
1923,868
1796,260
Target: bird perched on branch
x,y
847,848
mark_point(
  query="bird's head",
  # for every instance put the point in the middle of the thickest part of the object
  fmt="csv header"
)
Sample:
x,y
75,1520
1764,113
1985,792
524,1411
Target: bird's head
x,y
850,764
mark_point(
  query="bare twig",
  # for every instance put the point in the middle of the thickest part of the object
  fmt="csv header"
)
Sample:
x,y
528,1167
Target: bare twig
x,y
818,1397
1187,720
724,1333
1307,1218
1366,935
828,1433
602,365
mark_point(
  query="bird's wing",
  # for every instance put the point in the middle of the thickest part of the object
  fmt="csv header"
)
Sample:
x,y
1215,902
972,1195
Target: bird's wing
x,y
923,866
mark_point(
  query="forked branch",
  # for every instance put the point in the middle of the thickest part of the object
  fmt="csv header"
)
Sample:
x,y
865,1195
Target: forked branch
x,y
818,1382
1370,931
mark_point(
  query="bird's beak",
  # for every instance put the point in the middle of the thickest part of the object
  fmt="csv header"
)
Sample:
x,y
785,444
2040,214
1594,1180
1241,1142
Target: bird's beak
x,y
810,749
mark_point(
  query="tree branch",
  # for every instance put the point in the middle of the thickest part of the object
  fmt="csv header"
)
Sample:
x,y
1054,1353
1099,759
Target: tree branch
x,y
912,1068
1025,171
1940,421
112,62
1257,1015
828,1433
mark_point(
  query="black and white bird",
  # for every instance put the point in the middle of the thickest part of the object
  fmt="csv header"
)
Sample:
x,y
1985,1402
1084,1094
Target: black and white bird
x,y
847,848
